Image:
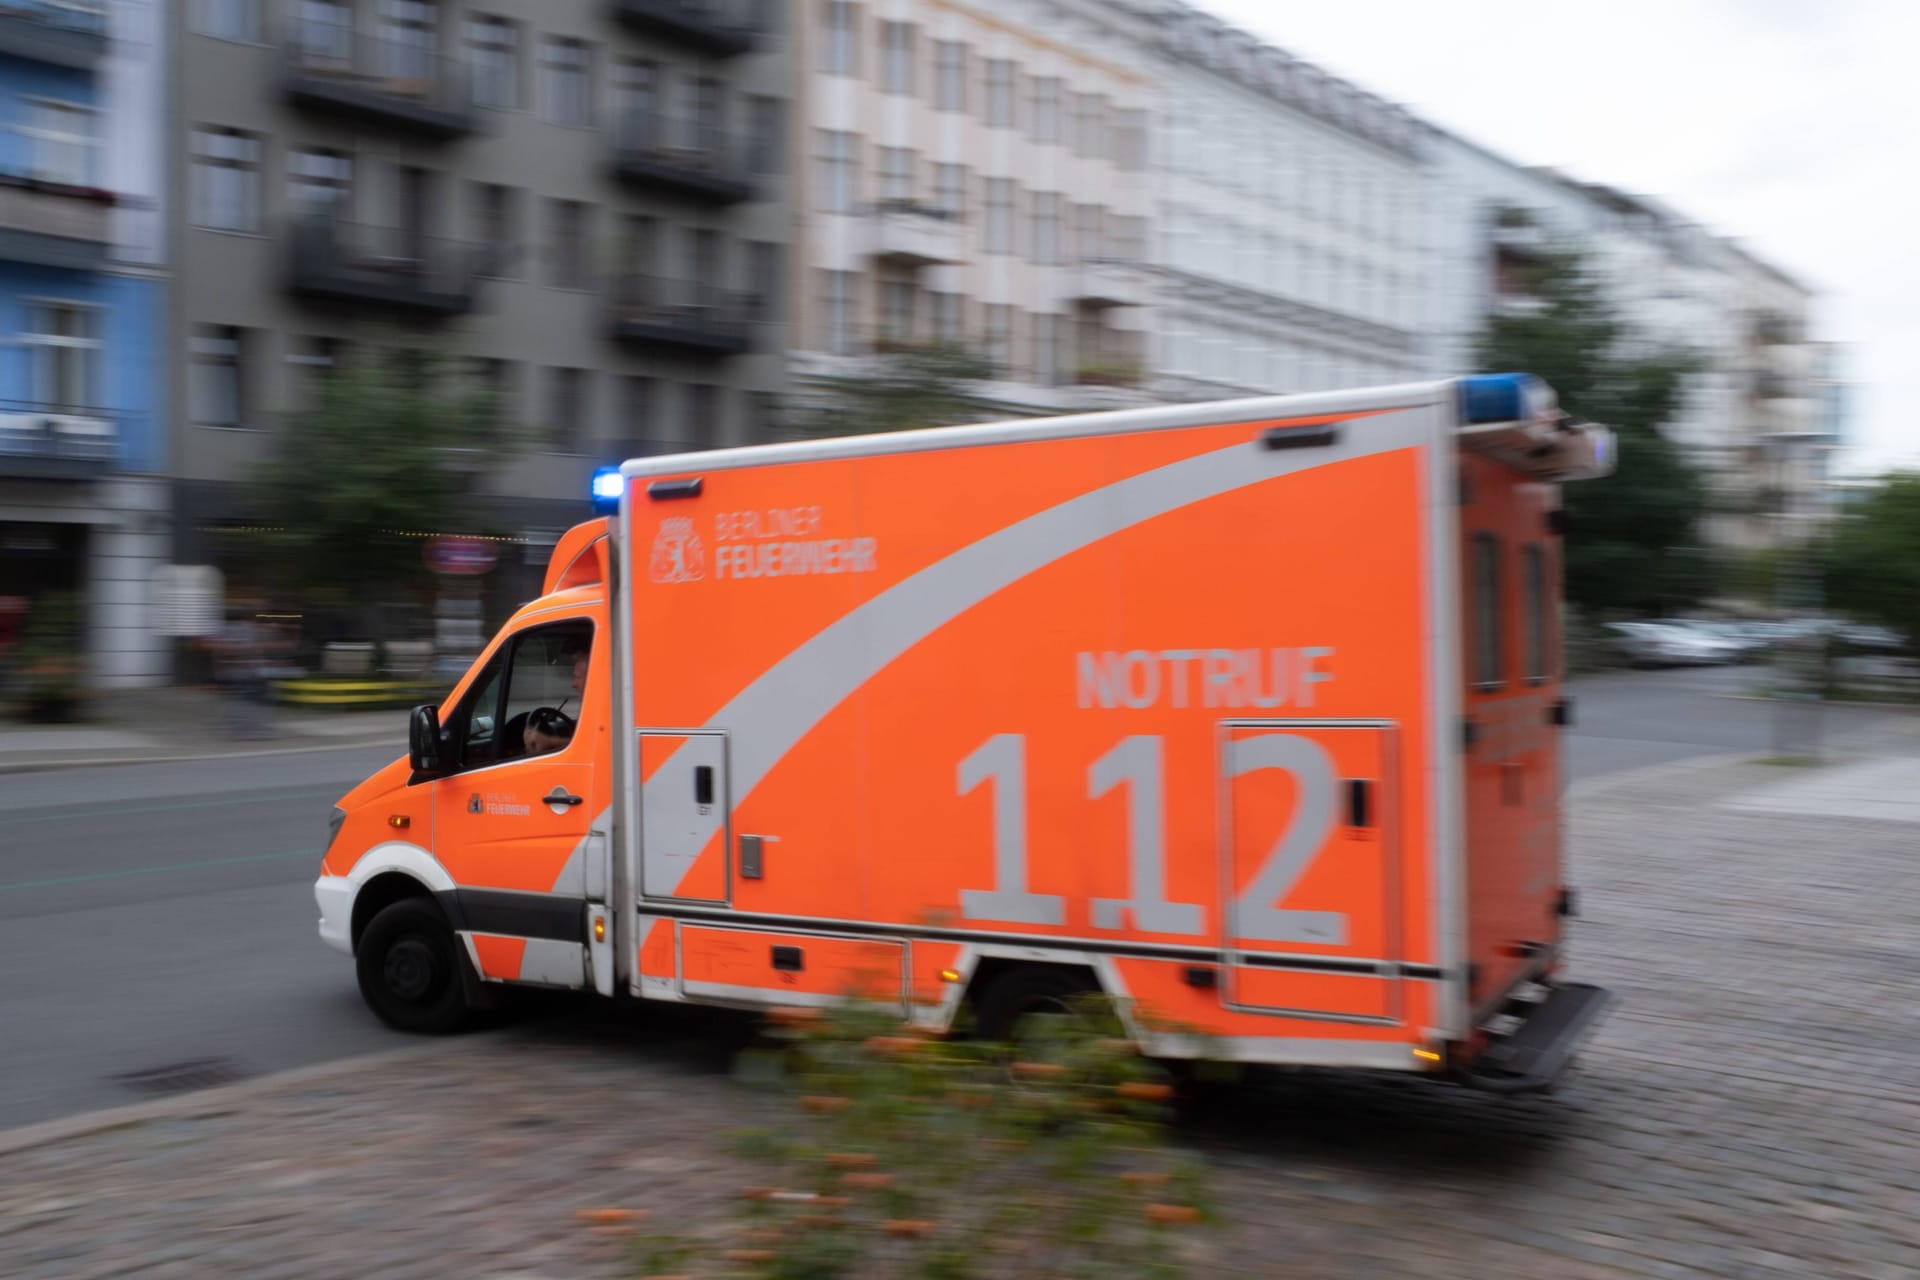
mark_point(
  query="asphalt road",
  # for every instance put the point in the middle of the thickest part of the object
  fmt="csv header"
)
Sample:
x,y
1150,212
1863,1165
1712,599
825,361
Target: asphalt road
x,y
155,917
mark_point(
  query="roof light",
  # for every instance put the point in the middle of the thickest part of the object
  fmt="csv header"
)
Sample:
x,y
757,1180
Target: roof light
x,y
1505,397
608,486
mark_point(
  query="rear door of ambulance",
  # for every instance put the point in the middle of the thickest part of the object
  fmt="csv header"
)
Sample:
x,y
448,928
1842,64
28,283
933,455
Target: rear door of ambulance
x,y
1163,695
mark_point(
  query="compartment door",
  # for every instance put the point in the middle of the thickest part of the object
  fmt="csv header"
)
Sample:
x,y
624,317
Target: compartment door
x,y
1310,865
684,807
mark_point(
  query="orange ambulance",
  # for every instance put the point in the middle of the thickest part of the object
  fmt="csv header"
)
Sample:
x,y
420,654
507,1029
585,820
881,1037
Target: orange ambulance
x,y
1247,714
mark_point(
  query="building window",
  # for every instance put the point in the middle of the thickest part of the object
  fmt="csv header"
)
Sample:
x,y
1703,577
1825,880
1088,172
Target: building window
x,y
64,341
408,27
999,228
1130,140
313,361
896,175
764,261
1046,109
709,113
1046,350
999,326
61,138
897,304
567,428
1000,74
493,46
944,316
839,171
1533,581
640,245
564,69
767,141
896,64
319,182
1489,661
836,296
325,33
214,387
703,415
949,75
766,425
571,251
1046,228
225,191
496,228
840,43
227,19
950,189
639,403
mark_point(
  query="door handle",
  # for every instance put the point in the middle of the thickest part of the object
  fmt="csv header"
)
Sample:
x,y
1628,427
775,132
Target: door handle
x,y
560,795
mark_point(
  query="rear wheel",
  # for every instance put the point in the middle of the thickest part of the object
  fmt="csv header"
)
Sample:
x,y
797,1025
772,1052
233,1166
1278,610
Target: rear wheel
x,y
409,970
1013,1008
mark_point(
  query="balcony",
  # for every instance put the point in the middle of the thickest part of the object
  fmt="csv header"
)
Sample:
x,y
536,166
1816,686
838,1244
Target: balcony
x,y
1099,283
681,158
694,319
56,442
376,81
911,234
710,26
62,33
50,224
350,262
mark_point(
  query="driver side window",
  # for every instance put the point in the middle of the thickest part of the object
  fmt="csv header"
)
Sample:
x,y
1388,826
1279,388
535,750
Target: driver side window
x,y
538,676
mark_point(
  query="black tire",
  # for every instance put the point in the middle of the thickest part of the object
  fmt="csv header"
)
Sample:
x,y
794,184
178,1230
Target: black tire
x,y
409,969
1022,993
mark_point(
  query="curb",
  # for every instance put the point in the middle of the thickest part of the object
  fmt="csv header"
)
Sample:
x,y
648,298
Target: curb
x,y
1594,788
39,766
222,1098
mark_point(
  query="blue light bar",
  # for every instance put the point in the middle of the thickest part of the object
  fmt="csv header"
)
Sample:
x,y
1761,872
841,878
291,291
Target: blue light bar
x,y
1504,397
608,485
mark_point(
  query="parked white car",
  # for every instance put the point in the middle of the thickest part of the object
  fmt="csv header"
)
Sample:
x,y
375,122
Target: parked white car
x,y
1661,644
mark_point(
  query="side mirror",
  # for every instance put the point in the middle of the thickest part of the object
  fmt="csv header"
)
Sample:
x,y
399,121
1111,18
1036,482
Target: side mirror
x,y
423,739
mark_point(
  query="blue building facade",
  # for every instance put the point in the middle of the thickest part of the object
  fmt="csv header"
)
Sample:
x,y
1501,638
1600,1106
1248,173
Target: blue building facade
x,y
83,314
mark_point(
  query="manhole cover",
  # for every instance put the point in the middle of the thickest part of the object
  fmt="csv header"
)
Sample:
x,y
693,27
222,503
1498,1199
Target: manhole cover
x,y
181,1077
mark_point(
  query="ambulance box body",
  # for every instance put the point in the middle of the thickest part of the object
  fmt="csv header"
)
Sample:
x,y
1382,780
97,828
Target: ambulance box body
x,y
1245,714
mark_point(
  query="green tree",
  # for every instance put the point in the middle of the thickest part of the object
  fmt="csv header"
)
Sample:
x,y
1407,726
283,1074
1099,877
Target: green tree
x,y
1633,543
908,387
1872,558
382,458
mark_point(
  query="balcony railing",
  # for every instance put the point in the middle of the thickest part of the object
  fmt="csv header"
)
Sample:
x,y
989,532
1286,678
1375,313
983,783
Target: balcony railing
x,y
1108,282
377,80
65,33
56,441
718,27
685,157
51,224
917,235
385,266
680,314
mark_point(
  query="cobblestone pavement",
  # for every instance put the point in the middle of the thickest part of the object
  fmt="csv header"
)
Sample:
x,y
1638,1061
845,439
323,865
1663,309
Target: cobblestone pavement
x,y
1751,1109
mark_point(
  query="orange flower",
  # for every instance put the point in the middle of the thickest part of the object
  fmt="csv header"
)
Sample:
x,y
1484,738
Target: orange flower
x,y
1140,1178
609,1215
833,1202
1168,1215
1038,1071
851,1159
748,1255
1142,1091
893,1046
796,1017
758,1193
908,1226
820,1104
866,1181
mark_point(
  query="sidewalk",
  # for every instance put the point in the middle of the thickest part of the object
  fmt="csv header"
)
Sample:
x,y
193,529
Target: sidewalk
x,y
1752,1108
180,723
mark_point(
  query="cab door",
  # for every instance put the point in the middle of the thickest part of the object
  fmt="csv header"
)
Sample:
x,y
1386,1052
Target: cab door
x,y
510,820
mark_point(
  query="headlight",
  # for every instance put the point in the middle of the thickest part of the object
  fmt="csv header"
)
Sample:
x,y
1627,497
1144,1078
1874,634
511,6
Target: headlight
x,y
333,826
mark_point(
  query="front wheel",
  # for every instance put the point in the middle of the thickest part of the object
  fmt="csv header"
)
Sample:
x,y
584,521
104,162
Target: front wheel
x,y
409,971
1016,1008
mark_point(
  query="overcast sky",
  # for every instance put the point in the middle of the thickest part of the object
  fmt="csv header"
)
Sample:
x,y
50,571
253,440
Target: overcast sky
x,y
1788,124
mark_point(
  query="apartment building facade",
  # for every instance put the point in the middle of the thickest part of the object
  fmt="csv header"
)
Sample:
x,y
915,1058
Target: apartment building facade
x,y
580,206
975,173
83,509
1291,251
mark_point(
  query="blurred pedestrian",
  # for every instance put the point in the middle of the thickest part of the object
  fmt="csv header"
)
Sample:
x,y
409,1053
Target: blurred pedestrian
x,y
240,669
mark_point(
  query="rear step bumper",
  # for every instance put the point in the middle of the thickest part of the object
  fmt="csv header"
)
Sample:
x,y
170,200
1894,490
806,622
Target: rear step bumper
x,y
1532,1056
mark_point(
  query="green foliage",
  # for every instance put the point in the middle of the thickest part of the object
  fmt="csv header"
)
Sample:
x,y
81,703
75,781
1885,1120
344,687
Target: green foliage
x,y
1633,542
907,387
374,461
48,656
915,1155
1872,558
